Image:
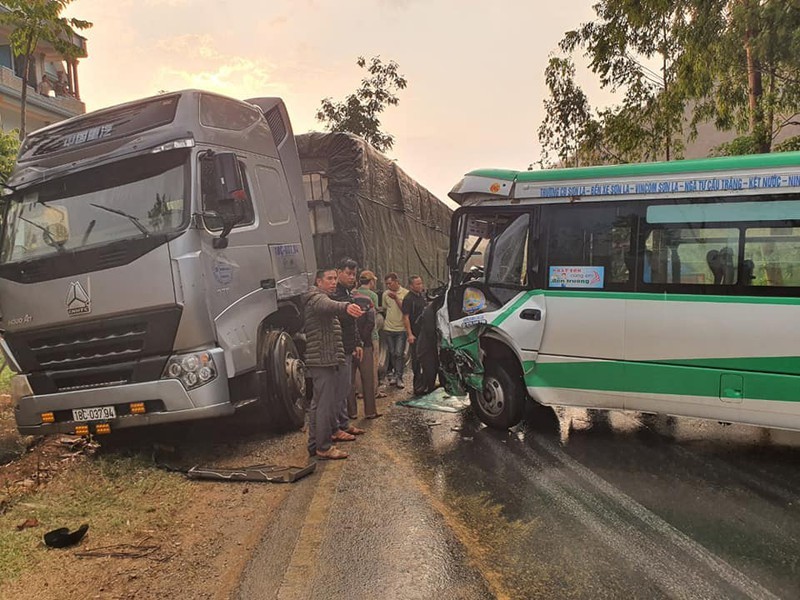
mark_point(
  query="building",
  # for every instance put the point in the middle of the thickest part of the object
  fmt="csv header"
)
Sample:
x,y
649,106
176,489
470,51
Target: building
x,y
45,106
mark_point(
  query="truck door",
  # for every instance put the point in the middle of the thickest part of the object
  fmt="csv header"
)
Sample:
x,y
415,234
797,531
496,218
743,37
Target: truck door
x,y
239,278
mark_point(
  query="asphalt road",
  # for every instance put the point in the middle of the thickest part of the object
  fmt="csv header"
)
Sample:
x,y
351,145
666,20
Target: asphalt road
x,y
572,504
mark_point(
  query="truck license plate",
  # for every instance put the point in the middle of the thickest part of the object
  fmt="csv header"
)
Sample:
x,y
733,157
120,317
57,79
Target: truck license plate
x,y
100,413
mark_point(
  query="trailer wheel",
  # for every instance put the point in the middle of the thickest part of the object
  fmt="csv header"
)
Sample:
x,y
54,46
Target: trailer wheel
x,y
282,395
501,402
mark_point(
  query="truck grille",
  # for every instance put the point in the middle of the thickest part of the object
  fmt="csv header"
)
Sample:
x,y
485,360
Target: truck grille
x,y
97,353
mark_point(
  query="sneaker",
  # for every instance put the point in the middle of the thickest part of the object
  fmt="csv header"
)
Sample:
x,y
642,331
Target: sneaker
x,y
400,385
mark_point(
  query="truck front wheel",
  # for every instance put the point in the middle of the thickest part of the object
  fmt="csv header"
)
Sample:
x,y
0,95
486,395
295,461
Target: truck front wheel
x,y
502,400
282,389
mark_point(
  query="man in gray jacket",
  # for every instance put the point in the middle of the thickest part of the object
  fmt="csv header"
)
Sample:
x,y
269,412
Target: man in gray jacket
x,y
325,360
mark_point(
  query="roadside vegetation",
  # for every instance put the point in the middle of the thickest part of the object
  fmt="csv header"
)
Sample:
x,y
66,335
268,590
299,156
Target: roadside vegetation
x,y
674,66
57,481
123,499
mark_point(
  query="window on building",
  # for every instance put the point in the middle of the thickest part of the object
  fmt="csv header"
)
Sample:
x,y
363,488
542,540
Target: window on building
x,y
6,58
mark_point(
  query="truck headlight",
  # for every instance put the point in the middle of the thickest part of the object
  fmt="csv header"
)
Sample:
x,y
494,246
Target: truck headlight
x,y
192,370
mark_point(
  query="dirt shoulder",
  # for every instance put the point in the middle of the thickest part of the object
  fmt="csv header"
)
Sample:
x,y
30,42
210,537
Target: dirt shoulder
x,y
153,533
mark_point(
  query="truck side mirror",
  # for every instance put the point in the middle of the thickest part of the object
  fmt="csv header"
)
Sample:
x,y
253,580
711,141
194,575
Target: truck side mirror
x,y
226,179
224,191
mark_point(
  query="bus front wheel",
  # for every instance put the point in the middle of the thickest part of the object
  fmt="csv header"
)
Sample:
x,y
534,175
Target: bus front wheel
x,y
501,401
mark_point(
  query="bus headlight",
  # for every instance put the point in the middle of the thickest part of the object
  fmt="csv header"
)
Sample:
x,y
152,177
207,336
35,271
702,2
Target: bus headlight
x,y
192,370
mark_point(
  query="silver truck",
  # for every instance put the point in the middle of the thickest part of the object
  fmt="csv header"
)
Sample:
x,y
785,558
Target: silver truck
x,y
152,263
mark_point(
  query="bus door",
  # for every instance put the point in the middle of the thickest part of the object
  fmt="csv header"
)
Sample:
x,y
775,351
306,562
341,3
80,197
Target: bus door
x,y
492,282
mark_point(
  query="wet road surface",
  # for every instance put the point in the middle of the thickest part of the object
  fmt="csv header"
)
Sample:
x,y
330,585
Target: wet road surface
x,y
571,504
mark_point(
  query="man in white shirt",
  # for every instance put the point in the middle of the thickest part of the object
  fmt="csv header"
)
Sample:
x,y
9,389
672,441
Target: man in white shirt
x,y
394,328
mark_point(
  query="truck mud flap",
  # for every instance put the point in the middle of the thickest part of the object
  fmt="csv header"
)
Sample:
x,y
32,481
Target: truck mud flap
x,y
268,473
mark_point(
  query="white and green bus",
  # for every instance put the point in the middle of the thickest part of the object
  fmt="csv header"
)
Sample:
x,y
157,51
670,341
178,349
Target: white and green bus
x,y
664,287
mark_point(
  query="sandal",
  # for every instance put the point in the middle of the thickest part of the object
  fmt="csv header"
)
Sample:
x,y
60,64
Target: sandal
x,y
353,430
375,416
381,395
342,436
332,454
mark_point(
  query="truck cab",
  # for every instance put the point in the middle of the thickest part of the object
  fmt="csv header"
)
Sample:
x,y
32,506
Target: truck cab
x,y
153,260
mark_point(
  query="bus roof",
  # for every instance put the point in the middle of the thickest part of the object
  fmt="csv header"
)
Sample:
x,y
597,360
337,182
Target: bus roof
x,y
735,173
724,163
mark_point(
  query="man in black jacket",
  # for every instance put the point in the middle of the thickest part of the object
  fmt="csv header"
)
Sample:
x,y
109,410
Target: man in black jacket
x,y
325,360
413,306
353,347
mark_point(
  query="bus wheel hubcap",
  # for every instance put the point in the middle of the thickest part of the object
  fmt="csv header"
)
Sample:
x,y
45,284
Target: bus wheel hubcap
x,y
492,400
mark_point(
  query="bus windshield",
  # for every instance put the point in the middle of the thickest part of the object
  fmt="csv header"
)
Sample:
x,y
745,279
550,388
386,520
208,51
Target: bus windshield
x,y
136,197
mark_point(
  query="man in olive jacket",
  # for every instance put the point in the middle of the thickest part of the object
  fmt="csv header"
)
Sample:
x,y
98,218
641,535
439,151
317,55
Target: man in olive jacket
x,y
325,360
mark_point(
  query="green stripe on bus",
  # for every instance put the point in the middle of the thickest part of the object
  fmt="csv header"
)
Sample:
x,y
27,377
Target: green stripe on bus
x,y
667,297
510,310
785,365
653,378
676,167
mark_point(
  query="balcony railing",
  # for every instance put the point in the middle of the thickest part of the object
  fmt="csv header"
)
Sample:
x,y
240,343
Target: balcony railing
x,y
59,104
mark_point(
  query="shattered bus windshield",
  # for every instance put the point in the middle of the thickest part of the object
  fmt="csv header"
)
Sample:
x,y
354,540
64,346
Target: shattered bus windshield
x,y
136,197
494,249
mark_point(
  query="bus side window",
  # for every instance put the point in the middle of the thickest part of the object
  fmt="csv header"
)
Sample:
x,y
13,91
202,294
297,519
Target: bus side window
x,y
213,223
593,236
691,255
774,253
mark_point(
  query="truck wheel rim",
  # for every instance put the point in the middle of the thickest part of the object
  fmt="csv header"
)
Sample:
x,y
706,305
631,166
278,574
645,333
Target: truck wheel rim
x,y
492,400
296,377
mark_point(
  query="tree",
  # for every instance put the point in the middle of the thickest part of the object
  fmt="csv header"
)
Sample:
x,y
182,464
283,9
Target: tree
x,y
9,146
625,36
359,113
749,76
567,114
34,21
618,134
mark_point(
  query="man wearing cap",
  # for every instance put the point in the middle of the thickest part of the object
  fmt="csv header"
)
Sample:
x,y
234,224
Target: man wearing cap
x,y
367,367
368,281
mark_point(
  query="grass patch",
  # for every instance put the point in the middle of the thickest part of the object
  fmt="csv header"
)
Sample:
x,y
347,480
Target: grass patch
x,y
5,379
120,496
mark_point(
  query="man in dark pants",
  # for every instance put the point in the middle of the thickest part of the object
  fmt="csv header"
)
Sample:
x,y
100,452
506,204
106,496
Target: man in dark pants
x,y
413,305
325,360
427,345
353,349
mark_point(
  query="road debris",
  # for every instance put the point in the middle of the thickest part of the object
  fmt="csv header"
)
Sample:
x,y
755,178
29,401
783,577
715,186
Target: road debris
x,y
437,400
270,473
63,538
138,550
33,522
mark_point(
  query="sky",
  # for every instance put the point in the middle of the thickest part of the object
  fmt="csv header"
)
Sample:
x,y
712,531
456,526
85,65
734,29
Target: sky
x,y
475,69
